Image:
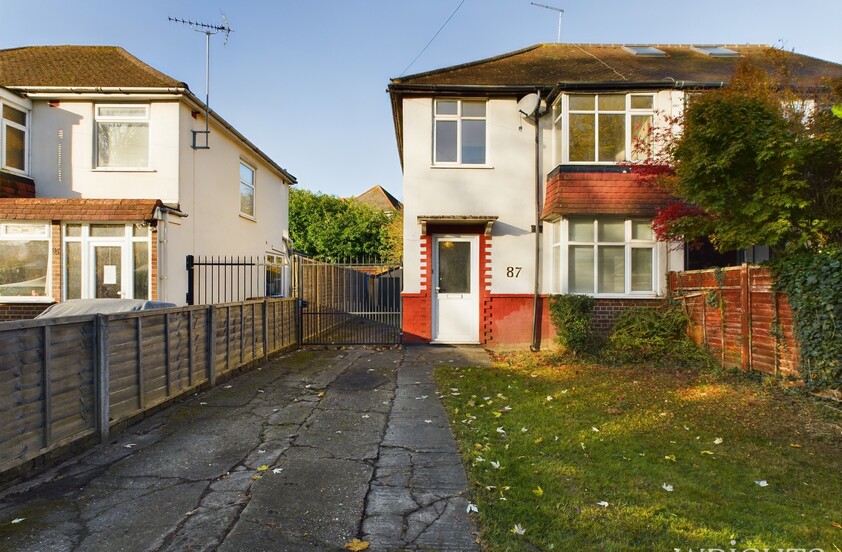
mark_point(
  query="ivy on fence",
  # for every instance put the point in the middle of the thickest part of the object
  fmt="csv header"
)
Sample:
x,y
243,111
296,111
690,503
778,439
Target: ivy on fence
x,y
813,283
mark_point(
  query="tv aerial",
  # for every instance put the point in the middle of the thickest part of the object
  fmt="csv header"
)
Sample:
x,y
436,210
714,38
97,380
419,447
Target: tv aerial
x,y
560,13
208,29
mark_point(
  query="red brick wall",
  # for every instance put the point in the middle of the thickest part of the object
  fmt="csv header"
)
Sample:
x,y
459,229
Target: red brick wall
x,y
606,311
12,185
21,311
733,312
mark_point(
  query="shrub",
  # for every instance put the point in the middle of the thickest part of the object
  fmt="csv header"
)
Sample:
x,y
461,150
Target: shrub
x,y
654,335
571,316
813,283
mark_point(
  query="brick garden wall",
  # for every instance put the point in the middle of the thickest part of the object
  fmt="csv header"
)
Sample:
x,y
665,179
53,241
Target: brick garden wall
x,y
21,311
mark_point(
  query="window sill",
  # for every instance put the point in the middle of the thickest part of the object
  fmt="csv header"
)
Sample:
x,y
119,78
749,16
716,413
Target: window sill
x,y
461,166
16,172
248,217
26,299
123,169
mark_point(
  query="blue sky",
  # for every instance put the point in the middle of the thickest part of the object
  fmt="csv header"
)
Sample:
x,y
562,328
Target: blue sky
x,y
306,80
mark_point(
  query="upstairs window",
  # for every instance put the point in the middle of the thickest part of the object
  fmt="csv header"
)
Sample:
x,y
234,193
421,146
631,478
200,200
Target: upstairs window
x,y
122,136
13,137
608,128
246,190
460,132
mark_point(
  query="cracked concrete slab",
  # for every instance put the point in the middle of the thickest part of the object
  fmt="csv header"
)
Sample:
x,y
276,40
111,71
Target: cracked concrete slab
x,y
303,454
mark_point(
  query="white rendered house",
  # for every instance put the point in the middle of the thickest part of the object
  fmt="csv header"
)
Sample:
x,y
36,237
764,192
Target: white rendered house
x,y
109,181
517,182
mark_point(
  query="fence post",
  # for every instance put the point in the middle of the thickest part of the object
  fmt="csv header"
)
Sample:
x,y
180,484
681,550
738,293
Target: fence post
x,y
745,322
211,346
47,387
265,329
103,380
190,289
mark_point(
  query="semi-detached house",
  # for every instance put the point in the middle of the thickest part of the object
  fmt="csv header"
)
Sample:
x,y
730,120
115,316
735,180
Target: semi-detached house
x,y
110,175
508,200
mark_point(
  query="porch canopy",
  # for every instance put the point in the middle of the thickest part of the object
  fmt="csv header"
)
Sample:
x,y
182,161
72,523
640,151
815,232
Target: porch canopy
x,y
486,222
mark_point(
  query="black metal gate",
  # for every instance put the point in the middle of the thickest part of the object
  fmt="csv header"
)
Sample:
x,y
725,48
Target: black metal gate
x,y
350,303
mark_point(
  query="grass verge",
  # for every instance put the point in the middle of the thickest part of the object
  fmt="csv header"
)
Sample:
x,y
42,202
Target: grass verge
x,y
587,457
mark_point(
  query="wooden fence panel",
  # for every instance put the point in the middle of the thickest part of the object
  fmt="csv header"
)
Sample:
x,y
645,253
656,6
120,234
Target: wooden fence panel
x,y
738,315
50,372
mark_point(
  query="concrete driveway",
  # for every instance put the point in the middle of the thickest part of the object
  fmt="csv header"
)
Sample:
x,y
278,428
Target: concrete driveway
x,y
304,454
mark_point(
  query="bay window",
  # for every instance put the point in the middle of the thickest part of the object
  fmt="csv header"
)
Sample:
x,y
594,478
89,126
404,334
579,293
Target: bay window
x,y
24,260
122,136
604,128
605,256
459,132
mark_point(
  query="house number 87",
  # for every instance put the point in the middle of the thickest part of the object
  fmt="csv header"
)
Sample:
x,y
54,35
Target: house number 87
x,y
513,271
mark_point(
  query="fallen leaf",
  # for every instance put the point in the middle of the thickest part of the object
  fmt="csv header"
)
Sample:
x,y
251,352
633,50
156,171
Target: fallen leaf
x,y
276,471
356,545
595,429
795,445
129,445
667,488
717,441
670,457
518,529
472,508
539,440
321,394
602,503
833,523
255,477
707,452
495,464
18,520
538,491
762,483
262,468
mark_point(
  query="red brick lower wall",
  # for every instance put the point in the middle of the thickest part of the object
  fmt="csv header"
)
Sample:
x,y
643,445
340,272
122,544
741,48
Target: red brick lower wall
x,y
12,185
507,319
21,311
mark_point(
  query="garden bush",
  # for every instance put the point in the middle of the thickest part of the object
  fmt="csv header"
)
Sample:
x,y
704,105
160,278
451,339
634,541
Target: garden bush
x,y
654,335
571,316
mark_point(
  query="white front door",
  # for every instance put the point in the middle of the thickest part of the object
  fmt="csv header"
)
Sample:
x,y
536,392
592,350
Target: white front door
x,y
456,289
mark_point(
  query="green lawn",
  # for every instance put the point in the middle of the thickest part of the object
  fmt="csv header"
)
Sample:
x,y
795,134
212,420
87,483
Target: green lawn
x,y
547,446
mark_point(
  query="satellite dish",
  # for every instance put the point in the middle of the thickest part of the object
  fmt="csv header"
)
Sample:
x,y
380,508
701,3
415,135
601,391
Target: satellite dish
x,y
528,104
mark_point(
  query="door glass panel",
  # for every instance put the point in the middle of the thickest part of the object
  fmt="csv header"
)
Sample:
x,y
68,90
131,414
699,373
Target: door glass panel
x,y
581,268
612,269
454,267
107,264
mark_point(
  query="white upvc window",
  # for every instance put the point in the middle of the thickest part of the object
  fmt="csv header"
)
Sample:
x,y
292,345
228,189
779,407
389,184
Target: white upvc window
x,y
122,136
247,190
24,261
14,138
459,132
605,257
604,128
106,260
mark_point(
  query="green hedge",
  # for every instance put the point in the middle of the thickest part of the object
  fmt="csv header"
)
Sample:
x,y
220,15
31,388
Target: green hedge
x,y
571,316
654,335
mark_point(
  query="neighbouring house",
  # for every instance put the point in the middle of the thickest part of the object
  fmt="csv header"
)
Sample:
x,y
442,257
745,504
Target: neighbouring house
x,y
517,183
381,200
111,175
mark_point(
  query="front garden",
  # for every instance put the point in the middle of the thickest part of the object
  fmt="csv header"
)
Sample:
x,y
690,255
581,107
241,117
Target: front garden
x,y
564,454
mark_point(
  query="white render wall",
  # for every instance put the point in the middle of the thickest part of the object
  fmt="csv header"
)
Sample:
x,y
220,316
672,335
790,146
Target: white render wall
x,y
63,162
504,188
204,183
